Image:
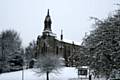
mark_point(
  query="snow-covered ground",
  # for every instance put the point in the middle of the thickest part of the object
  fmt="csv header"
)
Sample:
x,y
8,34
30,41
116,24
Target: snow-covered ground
x,y
66,73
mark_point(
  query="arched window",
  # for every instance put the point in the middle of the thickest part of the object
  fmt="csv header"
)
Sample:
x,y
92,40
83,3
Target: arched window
x,y
57,50
65,55
44,49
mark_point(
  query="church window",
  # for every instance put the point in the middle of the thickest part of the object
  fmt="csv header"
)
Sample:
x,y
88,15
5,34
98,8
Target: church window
x,y
57,50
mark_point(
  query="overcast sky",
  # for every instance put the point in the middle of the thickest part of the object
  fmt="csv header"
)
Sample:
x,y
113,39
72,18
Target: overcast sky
x,y
27,16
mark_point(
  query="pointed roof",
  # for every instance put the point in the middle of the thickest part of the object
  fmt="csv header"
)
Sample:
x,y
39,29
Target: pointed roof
x,y
47,18
47,24
48,13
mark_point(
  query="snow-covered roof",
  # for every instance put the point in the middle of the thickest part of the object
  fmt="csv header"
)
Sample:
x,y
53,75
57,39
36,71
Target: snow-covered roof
x,y
71,41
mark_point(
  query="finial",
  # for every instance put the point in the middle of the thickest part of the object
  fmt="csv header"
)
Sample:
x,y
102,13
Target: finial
x,y
61,31
48,13
61,37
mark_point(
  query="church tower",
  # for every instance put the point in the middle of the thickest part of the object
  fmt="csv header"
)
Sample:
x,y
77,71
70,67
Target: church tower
x,y
47,25
47,43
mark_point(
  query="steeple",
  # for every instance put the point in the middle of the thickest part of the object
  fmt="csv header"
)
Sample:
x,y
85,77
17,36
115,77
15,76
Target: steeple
x,y
47,26
48,13
47,23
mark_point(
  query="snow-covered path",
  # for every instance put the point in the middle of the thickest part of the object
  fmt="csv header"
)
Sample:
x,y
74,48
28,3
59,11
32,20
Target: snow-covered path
x,y
64,74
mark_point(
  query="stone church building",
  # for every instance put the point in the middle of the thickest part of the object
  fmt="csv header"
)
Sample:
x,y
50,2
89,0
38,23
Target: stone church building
x,y
47,43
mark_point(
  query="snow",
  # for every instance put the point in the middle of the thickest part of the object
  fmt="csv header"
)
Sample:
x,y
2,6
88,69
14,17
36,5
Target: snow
x,y
71,42
66,73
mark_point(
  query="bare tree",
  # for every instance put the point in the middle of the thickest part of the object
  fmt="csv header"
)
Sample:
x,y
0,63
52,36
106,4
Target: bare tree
x,y
48,64
30,52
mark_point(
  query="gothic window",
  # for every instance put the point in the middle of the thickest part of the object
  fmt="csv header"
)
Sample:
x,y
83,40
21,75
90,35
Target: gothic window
x,y
65,56
35,55
69,51
57,50
44,48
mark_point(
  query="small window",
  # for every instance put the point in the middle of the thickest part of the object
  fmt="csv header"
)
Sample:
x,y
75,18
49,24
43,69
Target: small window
x,y
57,50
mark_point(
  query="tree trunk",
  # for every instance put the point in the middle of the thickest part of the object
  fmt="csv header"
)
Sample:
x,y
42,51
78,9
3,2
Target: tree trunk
x,y
47,75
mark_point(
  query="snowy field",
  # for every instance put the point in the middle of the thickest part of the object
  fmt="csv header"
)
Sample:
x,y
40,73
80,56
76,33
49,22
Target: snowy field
x,y
64,74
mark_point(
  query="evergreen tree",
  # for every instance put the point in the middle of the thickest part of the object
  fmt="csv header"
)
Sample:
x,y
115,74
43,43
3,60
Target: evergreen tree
x,y
10,46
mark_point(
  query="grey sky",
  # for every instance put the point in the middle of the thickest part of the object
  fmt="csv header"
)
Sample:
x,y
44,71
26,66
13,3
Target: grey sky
x,y
27,16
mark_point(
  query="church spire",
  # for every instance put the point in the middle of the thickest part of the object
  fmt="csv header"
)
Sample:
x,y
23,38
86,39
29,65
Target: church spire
x,y
48,13
47,23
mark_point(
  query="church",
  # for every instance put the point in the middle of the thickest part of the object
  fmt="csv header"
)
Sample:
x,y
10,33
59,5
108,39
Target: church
x,y
47,43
